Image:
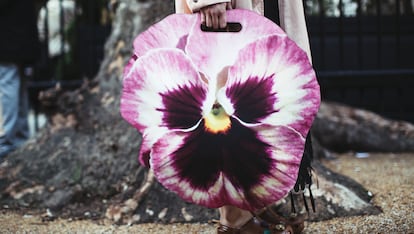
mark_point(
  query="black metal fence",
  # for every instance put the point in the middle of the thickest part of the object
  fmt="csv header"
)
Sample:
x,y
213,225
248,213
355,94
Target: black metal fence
x,y
365,60
362,51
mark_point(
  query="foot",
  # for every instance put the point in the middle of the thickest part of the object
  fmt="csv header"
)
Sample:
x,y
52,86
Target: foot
x,y
231,216
295,221
256,226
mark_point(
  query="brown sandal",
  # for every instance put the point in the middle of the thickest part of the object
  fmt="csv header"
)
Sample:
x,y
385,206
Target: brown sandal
x,y
256,226
296,222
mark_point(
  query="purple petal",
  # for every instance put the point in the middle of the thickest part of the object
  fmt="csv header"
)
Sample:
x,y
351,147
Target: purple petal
x,y
273,82
129,65
160,35
171,32
163,91
246,167
213,51
252,99
145,152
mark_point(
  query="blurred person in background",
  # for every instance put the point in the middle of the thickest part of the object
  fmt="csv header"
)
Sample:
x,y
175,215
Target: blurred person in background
x,y
19,48
55,24
50,14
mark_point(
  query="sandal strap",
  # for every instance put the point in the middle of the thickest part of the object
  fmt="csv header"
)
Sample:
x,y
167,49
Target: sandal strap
x,y
255,225
296,222
221,229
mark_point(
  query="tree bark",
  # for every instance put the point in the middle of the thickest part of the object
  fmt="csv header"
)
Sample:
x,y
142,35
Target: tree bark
x,y
342,128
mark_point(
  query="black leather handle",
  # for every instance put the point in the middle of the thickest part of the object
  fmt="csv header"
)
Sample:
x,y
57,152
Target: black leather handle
x,y
230,27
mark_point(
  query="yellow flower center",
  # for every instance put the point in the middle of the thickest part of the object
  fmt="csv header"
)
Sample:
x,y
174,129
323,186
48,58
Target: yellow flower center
x,y
217,121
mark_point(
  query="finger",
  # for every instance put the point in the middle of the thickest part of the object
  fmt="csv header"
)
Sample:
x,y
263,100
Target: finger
x,y
208,20
215,21
222,20
202,17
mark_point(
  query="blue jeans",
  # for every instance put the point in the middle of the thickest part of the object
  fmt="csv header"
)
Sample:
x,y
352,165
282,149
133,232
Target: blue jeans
x,y
14,128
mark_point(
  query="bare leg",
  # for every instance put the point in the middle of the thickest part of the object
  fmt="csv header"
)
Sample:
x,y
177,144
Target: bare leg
x,y
234,217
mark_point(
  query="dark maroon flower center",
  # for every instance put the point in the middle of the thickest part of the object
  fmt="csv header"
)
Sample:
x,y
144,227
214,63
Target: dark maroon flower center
x,y
239,154
253,99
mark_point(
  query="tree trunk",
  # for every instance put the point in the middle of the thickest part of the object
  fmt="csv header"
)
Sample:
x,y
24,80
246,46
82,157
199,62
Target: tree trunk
x,y
342,128
83,164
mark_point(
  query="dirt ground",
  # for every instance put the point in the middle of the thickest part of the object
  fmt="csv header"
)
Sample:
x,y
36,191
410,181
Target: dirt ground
x,y
390,177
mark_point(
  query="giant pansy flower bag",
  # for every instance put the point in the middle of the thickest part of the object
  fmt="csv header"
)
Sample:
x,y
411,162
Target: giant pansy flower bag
x,y
223,115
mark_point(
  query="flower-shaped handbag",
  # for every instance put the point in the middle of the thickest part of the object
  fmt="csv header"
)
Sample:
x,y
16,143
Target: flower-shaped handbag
x,y
224,115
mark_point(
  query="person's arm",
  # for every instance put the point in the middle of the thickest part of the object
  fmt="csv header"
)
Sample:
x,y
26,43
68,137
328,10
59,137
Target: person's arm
x,y
292,21
196,5
212,12
214,16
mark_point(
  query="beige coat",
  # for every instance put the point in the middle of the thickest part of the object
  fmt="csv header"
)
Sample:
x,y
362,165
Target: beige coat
x,y
291,13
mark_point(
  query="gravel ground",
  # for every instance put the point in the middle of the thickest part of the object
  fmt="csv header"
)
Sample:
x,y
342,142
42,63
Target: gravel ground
x,y
390,177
